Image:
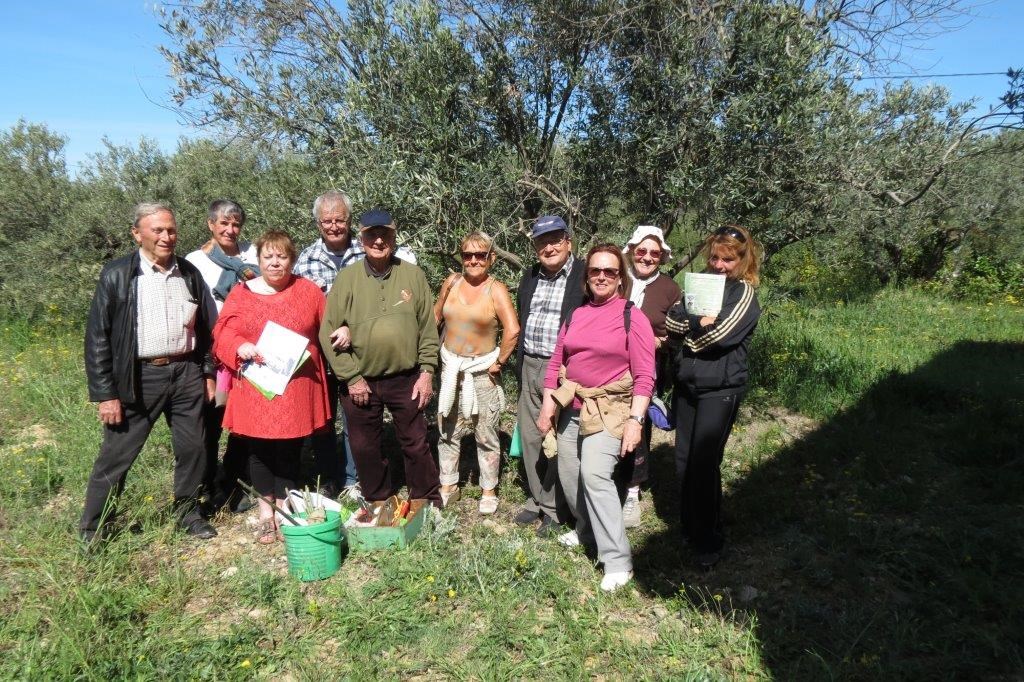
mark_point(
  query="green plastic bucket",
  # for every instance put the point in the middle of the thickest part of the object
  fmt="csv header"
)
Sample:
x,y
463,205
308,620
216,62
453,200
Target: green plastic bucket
x,y
516,448
314,552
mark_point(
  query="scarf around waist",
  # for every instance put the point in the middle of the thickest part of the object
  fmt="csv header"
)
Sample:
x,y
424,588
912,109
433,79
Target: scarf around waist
x,y
603,408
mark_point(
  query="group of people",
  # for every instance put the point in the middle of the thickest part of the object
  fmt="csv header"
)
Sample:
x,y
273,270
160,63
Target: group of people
x,y
592,341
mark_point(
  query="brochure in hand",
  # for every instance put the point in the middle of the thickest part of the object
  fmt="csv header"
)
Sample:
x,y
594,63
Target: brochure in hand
x,y
283,353
703,293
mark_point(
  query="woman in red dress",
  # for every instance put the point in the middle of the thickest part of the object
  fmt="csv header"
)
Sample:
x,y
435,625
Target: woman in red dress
x,y
274,428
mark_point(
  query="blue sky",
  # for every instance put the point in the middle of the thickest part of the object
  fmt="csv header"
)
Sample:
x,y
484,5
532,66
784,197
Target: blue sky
x,y
90,68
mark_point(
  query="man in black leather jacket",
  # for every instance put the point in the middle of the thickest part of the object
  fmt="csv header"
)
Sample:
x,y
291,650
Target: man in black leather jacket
x,y
147,348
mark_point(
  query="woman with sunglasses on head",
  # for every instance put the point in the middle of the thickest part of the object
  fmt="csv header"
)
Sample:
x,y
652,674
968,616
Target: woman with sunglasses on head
x,y
653,293
711,378
473,305
602,376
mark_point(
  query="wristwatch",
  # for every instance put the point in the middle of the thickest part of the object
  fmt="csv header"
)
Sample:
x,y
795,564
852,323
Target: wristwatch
x,y
639,420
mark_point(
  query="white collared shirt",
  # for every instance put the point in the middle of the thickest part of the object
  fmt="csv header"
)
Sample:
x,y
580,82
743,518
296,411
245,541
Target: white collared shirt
x,y
165,311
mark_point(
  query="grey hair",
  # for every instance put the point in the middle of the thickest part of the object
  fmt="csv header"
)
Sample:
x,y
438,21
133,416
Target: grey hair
x,y
148,208
331,195
225,207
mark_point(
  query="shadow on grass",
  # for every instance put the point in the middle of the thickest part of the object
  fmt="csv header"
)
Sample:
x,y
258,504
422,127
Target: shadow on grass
x,y
887,544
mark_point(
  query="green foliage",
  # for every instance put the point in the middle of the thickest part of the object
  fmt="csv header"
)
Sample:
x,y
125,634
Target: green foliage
x,y
821,359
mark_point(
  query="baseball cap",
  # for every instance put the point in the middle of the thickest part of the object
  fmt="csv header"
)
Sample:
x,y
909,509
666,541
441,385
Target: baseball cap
x,y
548,223
377,217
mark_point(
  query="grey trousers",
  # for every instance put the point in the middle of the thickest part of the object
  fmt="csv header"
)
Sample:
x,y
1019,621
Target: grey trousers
x,y
541,473
585,467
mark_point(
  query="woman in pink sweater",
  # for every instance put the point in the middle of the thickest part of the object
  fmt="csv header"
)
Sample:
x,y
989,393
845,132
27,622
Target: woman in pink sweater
x,y
602,376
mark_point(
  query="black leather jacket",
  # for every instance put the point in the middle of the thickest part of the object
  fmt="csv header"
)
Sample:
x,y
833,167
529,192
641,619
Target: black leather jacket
x,y
111,338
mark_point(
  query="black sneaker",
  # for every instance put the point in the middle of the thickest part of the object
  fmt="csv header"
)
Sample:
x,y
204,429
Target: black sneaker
x,y
549,528
525,517
707,560
199,528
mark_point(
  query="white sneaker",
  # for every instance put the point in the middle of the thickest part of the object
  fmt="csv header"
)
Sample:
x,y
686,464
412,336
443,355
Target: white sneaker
x,y
569,539
631,512
613,581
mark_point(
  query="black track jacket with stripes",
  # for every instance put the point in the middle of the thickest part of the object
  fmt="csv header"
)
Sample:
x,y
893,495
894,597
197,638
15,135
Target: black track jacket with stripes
x,y
712,361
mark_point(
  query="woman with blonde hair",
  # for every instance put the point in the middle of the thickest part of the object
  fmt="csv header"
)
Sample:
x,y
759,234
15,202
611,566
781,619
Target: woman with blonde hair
x,y
473,305
711,378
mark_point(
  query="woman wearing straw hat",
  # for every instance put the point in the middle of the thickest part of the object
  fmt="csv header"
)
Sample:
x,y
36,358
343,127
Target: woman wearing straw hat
x,y
653,293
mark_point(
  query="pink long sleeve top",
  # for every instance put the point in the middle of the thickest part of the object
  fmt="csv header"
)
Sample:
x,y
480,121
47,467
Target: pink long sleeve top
x,y
593,348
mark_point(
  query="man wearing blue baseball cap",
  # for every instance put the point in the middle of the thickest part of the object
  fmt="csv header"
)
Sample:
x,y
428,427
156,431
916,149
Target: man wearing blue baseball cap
x,y
390,362
547,295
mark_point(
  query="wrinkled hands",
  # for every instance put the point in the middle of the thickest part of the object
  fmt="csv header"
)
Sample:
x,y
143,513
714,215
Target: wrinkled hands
x,y
423,389
110,412
631,434
341,338
546,418
360,392
248,351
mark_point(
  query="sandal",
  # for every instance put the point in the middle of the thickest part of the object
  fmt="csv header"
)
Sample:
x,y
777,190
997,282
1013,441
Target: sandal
x,y
453,496
488,504
266,532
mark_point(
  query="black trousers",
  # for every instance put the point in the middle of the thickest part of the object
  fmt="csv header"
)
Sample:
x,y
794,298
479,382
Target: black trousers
x,y
702,429
221,482
274,465
176,391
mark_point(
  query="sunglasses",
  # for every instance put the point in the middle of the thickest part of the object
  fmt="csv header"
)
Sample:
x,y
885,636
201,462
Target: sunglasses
x,y
640,252
609,273
729,231
477,255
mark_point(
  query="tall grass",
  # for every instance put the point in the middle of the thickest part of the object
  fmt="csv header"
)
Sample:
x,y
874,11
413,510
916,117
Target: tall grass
x,y
842,543
820,359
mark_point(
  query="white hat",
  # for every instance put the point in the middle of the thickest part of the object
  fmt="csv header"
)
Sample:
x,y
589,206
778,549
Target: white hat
x,y
650,232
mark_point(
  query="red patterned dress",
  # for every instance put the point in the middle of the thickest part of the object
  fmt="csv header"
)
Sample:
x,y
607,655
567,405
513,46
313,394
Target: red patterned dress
x,y
304,407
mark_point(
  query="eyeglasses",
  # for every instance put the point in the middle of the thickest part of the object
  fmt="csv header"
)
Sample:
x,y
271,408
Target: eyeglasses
x,y
609,273
477,255
340,222
730,231
640,252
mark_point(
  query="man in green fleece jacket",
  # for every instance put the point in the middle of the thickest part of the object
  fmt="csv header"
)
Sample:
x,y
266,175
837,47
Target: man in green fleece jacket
x,y
388,307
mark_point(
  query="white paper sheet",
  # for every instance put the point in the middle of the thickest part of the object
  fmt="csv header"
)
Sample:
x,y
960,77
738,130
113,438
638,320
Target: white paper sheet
x,y
282,351
704,293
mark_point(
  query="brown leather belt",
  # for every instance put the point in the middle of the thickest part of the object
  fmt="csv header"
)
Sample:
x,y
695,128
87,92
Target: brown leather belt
x,y
166,360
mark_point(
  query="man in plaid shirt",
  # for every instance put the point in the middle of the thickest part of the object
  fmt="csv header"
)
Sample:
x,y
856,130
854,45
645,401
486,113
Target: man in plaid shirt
x,y
320,262
547,295
323,259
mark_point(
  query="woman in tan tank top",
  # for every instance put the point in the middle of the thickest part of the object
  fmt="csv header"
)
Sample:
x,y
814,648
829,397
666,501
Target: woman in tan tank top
x,y
473,305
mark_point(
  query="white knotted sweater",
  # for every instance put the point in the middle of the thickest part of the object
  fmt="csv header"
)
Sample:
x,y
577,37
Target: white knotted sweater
x,y
451,366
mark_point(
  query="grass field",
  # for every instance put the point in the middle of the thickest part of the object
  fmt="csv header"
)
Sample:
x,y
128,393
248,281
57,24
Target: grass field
x,y
874,512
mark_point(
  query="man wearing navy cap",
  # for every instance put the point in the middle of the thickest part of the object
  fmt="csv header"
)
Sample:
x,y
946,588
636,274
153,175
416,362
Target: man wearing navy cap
x,y
547,295
390,362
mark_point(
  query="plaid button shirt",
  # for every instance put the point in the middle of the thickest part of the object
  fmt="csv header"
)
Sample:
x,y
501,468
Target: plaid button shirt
x,y
542,323
315,262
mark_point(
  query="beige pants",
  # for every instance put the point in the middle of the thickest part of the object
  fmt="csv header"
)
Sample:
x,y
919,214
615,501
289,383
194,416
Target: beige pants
x,y
484,424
